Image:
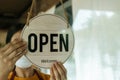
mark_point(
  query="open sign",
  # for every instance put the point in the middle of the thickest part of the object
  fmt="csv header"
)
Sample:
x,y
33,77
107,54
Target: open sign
x,y
41,40
49,39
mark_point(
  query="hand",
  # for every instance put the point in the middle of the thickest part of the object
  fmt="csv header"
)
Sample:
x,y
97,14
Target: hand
x,y
9,55
58,72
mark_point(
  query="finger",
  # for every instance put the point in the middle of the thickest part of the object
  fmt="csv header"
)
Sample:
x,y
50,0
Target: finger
x,y
62,66
19,56
1,53
52,76
9,44
14,47
16,41
17,51
3,50
5,47
56,73
61,69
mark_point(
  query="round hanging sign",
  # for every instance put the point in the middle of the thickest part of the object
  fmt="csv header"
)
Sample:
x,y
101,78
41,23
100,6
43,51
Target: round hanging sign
x,y
49,38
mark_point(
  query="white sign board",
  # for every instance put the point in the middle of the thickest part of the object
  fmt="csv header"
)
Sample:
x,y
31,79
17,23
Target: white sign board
x,y
49,40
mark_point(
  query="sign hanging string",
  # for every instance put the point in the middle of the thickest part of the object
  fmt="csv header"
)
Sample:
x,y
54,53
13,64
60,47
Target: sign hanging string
x,y
65,14
30,12
32,7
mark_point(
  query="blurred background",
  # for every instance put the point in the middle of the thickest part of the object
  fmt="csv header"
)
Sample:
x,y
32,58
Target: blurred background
x,y
96,27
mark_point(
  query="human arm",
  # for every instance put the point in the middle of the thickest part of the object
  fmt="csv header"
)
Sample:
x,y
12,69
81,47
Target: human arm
x,y
58,72
9,55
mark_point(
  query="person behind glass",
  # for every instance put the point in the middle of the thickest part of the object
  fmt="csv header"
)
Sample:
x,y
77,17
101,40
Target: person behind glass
x,y
15,66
